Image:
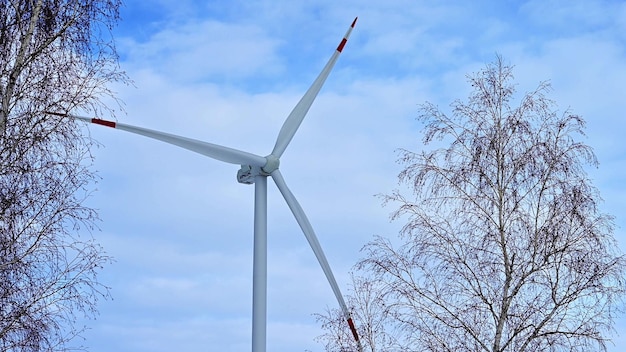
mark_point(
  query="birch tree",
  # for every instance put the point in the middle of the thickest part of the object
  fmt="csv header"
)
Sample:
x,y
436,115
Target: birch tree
x,y
505,247
55,55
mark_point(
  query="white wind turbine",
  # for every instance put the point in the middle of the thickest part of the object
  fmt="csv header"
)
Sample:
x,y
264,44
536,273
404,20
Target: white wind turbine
x,y
255,170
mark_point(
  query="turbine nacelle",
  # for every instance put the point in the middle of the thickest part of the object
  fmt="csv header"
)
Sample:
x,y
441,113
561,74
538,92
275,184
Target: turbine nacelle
x,y
247,173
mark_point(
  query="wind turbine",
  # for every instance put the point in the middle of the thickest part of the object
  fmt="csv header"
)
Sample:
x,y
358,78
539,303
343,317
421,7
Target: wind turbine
x,y
255,170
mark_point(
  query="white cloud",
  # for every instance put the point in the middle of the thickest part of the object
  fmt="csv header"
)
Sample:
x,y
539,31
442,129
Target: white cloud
x,y
208,49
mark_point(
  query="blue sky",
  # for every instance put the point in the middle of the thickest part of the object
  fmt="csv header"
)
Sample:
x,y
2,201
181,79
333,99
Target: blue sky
x,y
229,72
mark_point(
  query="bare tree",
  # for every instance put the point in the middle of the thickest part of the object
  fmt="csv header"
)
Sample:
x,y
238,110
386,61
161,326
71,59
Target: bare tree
x,y
504,248
55,55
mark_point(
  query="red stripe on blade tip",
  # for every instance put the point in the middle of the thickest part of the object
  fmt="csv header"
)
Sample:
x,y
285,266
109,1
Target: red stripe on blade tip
x,y
342,44
353,329
103,122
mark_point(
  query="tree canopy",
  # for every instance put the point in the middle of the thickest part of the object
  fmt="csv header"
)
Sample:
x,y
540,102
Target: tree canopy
x,y
505,247
55,55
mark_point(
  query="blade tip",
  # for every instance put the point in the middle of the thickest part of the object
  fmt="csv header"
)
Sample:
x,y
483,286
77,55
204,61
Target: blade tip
x,y
354,22
355,334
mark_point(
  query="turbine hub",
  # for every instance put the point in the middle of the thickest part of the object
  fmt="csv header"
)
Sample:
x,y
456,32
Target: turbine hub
x,y
248,173
272,164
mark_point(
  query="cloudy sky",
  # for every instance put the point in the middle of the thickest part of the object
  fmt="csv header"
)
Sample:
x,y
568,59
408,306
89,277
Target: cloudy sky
x,y
179,225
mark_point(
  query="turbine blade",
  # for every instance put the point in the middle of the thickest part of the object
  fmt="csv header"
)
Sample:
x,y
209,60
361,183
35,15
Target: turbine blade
x,y
306,227
218,152
296,116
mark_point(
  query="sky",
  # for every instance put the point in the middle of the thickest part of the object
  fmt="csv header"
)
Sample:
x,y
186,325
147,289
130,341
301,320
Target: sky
x,y
178,224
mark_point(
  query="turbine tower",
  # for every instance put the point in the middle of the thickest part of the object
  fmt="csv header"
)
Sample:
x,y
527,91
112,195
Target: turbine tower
x,y
255,170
